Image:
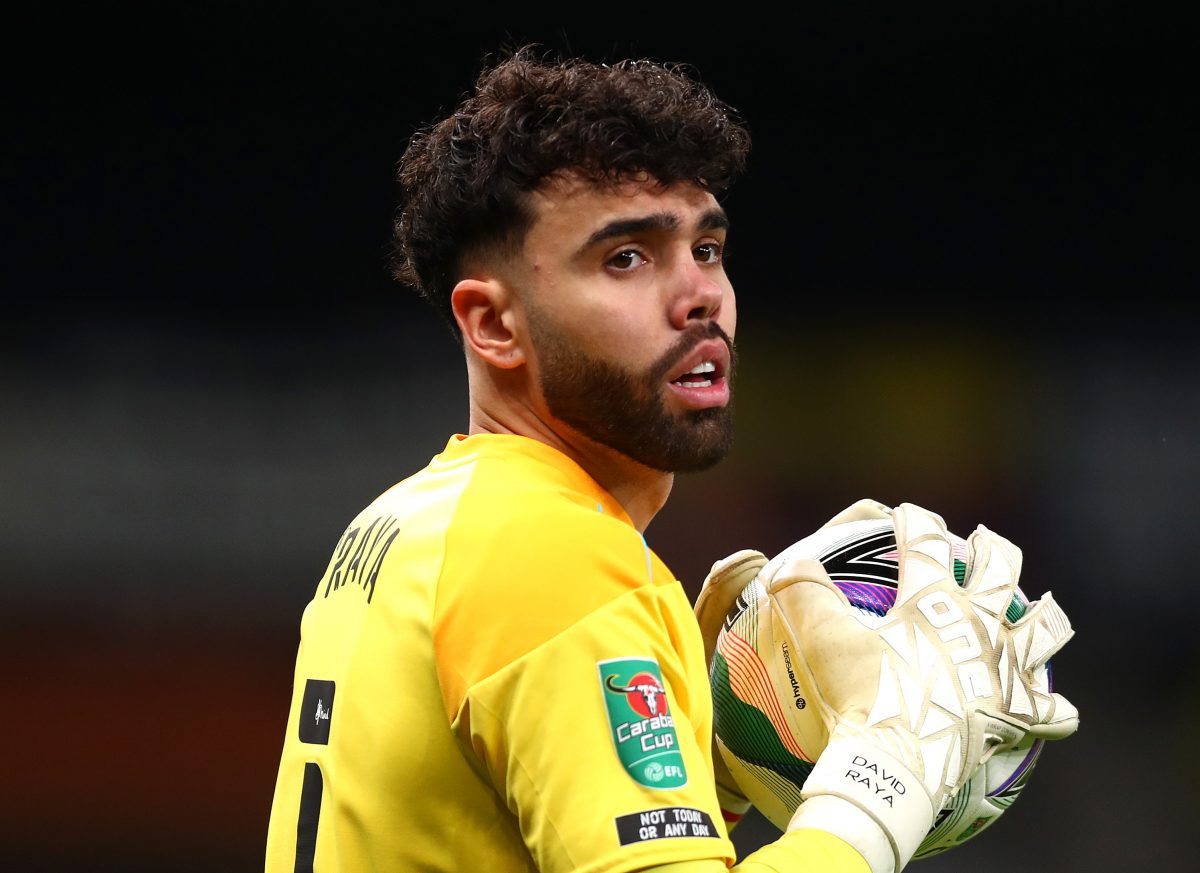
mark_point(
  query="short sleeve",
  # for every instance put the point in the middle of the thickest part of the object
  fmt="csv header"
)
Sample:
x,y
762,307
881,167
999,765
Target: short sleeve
x,y
598,740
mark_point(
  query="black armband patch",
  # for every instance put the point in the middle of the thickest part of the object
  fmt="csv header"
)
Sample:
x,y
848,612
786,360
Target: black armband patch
x,y
665,823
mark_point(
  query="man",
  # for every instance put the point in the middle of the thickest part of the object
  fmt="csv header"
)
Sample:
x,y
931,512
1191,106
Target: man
x,y
496,672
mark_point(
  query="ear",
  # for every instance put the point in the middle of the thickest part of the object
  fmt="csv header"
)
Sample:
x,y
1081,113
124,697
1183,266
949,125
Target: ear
x,y
484,310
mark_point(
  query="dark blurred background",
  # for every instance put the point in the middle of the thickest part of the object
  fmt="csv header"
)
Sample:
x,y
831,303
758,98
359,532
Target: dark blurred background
x,y
963,252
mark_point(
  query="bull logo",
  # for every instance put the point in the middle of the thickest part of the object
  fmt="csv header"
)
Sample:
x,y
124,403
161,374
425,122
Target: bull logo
x,y
644,692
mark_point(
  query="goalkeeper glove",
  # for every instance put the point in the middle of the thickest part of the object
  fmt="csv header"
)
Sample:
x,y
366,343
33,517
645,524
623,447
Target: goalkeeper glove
x,y
916,699
721,587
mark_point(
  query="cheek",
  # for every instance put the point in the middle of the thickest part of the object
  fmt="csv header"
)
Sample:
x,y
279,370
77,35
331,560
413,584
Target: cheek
x,y
631,349
612,336
627,335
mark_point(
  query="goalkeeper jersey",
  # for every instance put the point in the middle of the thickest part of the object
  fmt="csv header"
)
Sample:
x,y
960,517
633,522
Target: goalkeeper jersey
x,y
496,673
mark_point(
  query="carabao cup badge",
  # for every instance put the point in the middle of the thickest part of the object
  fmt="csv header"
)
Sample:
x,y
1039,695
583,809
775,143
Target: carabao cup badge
x,y
643,729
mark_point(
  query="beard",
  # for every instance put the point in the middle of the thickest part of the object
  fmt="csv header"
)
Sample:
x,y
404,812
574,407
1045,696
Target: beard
x,y
624,410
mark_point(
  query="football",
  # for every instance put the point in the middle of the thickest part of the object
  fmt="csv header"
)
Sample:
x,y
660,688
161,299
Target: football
x,y
769,736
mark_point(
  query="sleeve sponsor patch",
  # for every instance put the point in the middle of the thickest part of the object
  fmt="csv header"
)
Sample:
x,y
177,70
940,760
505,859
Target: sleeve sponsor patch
x,y
316,711
640,720
663,824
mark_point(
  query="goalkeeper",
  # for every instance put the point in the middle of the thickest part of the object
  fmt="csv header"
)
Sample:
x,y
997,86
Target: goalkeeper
x,y
496,672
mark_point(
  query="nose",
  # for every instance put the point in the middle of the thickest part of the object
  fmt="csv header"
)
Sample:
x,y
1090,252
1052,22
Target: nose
x,y
699,293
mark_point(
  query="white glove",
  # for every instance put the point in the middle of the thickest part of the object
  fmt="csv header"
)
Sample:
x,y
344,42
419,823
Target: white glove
x,y
725,581
721,587
916,699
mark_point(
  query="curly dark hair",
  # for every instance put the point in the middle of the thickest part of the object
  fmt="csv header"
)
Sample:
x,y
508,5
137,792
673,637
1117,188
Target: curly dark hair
x,y
464,181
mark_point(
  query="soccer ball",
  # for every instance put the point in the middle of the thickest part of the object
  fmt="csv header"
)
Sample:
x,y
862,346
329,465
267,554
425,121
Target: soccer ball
x,y
768,735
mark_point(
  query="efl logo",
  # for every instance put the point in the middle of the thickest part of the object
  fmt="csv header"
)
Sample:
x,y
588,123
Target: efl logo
x,y
639,717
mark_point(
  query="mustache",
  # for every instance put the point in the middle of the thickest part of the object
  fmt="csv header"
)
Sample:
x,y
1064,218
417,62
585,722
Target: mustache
x,y
688,340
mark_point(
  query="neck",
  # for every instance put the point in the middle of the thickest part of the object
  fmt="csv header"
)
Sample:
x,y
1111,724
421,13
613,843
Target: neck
x,y
641,491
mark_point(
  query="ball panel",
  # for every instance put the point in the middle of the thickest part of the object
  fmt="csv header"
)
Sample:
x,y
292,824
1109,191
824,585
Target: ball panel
x,y
869,596
950,819
1009,772
742,681
774,795
754,728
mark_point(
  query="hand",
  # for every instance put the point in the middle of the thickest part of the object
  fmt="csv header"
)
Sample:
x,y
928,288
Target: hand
x,y
725,581
917,699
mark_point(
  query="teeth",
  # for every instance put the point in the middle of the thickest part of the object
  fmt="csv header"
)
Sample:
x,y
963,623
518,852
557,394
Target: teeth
x,y
706,367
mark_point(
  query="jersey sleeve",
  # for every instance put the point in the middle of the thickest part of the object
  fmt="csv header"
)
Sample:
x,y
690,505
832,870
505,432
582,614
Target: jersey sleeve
x,y
804,850
592,741
573,676
800,851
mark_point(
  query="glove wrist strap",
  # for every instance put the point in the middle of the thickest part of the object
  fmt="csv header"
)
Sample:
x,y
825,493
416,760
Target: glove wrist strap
x,y
847,822
896,812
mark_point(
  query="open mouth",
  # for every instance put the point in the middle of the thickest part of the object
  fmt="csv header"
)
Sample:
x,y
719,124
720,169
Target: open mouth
x,y
704,385
700,376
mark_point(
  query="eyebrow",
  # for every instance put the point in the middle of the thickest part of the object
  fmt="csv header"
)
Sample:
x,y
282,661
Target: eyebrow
x,y
713,219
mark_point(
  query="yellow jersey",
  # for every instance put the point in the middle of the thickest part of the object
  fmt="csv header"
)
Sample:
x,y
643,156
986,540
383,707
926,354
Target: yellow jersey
x,y
497,673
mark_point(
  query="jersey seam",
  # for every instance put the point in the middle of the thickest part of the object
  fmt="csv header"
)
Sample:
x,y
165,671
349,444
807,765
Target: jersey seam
x,y
648,584
515,663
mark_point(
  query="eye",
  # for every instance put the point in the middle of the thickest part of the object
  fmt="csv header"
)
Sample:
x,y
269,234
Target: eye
x,y
708,253
626,259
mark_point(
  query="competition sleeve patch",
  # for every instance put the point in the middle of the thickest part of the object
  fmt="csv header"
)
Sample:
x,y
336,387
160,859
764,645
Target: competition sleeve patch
x,y
316,711
640,720
662,824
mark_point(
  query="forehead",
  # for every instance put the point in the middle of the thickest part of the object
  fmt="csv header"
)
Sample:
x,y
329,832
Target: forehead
x,y
569,209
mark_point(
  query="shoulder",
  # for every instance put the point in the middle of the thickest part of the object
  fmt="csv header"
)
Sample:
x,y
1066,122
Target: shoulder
x,y
532,552
533,519
532,543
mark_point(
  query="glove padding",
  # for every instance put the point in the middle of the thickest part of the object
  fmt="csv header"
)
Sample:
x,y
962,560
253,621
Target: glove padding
x,y
725,581
917,699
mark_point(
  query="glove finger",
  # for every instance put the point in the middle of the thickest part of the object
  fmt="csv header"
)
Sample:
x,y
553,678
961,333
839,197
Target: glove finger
x,y
1060,722
993,568
924,549
841,655
1040,633
862,510
785,569
738,568
998,731
725,581
815,603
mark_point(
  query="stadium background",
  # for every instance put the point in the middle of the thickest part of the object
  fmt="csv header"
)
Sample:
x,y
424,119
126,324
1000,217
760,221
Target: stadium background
x,y
962,253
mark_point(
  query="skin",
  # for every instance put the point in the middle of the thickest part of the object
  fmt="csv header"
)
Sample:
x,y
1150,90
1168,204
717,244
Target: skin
x,y
630,275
